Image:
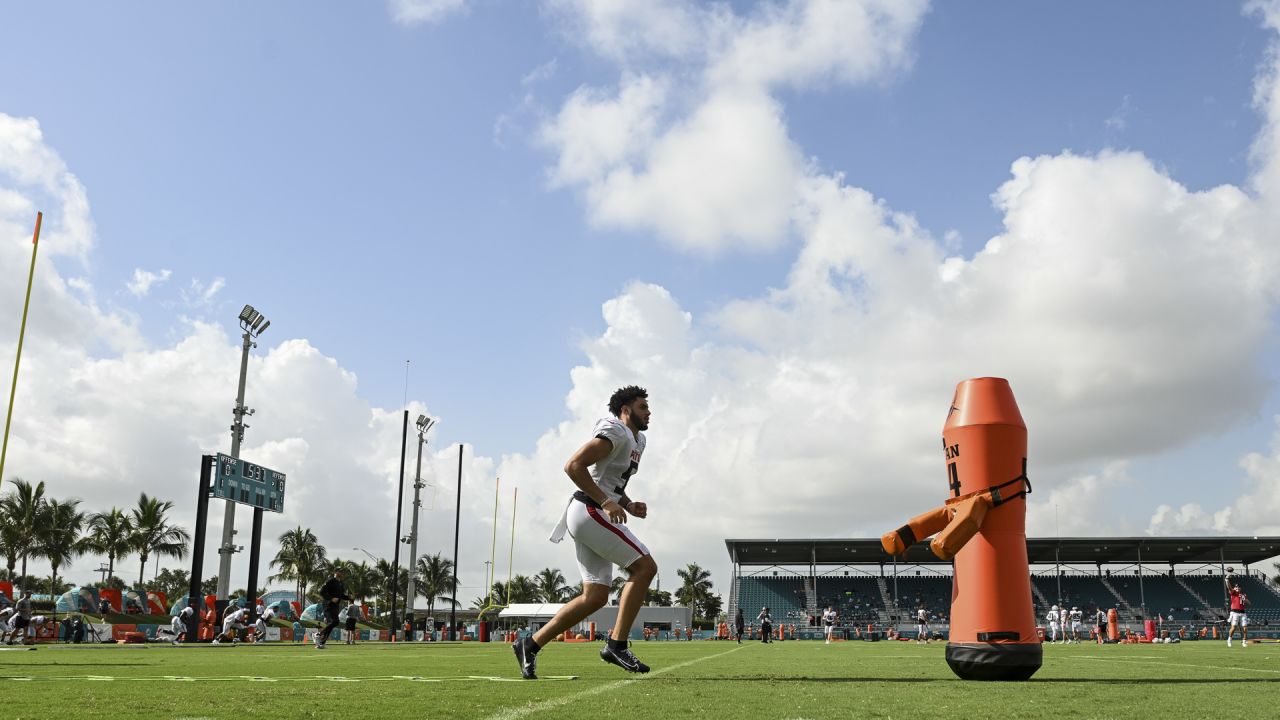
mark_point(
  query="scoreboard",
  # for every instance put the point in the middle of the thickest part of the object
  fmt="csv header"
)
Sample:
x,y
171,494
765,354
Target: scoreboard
x,y
248,484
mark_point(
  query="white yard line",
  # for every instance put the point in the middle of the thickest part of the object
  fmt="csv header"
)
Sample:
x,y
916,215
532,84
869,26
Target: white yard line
x,y
522,711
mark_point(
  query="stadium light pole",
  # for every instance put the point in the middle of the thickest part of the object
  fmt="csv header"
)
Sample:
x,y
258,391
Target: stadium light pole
x,y
395,563
424,424
254,324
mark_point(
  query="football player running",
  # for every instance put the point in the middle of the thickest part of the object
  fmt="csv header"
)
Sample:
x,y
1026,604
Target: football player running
x,y
596,519
260,627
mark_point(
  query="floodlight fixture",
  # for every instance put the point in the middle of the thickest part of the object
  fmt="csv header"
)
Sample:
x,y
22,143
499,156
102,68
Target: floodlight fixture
x,y
252,321
424,423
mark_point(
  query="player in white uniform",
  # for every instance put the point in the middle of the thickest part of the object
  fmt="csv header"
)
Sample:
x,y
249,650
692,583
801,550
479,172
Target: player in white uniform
x,y
260,627
1077,624
178,625
1054,616
232,624
922,626
829,622
596,518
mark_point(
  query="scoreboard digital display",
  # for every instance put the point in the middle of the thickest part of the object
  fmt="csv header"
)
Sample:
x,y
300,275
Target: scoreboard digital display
x,y
248,484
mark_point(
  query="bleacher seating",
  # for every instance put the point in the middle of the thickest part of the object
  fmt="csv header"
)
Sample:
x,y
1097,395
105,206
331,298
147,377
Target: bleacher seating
x,y
1083,591
784,596
932,592
856,598
1264,605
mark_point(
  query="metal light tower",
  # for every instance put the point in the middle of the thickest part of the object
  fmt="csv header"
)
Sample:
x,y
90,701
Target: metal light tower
x,y
254,324
424,424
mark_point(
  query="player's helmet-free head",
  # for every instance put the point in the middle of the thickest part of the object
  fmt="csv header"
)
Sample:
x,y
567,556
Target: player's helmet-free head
x,y
625,396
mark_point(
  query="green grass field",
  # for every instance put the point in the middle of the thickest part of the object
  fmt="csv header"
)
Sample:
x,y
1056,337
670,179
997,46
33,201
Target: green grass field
x,y
718,680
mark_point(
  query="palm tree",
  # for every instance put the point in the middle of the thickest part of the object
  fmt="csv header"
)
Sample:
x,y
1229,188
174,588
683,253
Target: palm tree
x,y
20,509
435,580
59,538
382,572
152,533
615,588
111,533
300,558
551,585
360,580
524,590
696,587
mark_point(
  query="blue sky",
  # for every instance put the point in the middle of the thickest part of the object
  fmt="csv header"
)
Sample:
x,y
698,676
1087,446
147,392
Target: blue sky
x,y
341,170
387,190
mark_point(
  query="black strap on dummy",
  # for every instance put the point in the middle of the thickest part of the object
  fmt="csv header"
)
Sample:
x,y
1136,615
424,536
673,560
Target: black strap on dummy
x,y
998,498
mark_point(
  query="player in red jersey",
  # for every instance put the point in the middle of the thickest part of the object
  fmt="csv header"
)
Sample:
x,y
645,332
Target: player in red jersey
x,y
1239,603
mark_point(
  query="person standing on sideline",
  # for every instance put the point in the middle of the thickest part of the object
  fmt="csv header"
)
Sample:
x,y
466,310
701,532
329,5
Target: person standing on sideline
x,y
1053,617
352,611
922,626
330,593
1237,618
766,625
596,519
739,624
299,632
829,622
1077,624
1100,625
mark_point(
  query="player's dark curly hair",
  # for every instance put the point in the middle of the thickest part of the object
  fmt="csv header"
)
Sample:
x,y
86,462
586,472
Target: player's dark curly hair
x,y
625,396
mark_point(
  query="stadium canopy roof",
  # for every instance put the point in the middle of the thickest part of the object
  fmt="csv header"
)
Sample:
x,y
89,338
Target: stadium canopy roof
x,y
1040,551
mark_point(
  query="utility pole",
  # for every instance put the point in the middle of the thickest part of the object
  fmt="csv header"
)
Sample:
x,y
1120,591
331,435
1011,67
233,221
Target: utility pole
x,y
251,321
424,424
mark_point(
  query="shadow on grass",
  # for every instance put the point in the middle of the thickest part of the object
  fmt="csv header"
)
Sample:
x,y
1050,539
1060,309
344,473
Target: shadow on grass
x,y
1089,681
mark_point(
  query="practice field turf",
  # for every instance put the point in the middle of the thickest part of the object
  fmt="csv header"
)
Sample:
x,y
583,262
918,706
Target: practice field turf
x,y
706,679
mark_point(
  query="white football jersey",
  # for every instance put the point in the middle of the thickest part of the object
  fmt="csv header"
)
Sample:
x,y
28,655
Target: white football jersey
x,y
1052,616
613,473
268,615
829,617
235,617
1076,616
922,615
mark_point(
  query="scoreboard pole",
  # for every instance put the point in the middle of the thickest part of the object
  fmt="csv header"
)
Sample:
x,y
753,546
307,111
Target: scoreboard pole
x,y
255,547
197,548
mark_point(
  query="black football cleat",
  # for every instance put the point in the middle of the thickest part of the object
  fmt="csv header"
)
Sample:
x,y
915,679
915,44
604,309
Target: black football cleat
x,y
528,661
623,658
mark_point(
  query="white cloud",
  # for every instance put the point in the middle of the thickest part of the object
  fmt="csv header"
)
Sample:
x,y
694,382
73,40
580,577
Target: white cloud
x,y
699,151
144,280
199,294
1119,119
417,12
1257,511
623,29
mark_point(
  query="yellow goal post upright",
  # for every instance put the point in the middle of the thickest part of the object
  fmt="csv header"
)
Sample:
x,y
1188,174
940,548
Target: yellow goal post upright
x,y
22,332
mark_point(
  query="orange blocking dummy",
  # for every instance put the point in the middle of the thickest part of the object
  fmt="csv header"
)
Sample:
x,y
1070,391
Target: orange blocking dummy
x,y
982,526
